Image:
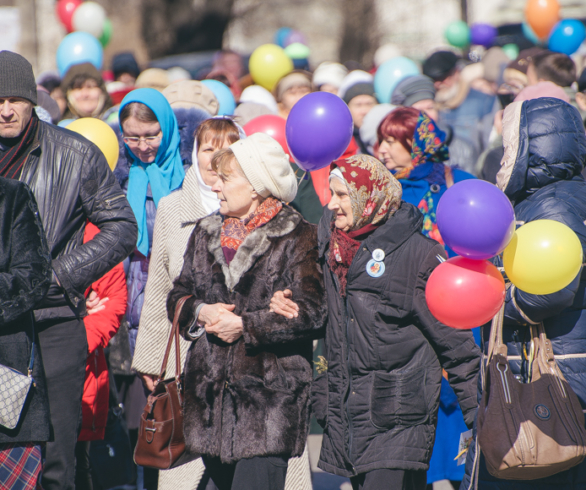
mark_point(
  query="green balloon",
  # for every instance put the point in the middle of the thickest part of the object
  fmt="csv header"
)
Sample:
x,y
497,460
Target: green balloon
x,y
106,33
458,34
297,51
511,50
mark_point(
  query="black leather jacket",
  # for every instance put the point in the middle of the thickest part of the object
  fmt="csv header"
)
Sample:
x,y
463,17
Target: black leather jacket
x,y
72,183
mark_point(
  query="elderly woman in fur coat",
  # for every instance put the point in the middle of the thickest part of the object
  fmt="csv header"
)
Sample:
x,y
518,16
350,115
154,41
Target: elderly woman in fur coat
x,y
248,372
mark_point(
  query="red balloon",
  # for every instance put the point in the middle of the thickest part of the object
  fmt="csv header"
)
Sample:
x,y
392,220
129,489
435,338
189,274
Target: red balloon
x,y
465,293
65,9
269,124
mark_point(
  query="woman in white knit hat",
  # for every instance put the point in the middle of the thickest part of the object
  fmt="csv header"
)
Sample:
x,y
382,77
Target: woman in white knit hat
x,y
248,373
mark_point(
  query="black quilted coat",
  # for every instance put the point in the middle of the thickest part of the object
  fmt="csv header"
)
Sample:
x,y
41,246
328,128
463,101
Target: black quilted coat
x,y
547,152
379,397
25,276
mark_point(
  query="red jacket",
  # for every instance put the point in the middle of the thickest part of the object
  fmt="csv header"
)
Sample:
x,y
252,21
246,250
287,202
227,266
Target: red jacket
x,y
100,328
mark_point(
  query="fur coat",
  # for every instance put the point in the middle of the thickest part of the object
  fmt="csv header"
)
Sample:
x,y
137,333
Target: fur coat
x,y
251,398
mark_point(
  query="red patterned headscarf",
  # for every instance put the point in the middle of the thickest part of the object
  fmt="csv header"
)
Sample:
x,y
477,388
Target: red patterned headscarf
x,y
374,195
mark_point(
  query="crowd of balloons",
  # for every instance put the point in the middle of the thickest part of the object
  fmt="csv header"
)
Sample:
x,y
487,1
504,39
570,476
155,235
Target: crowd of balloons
x,y
477,221
542,26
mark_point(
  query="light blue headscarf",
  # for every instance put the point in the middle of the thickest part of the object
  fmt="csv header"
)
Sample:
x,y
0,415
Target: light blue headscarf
x,y
165,174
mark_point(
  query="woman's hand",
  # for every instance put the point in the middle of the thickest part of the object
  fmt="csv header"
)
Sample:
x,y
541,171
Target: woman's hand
x,y
227,326
209,313
148,380
93,303
282,305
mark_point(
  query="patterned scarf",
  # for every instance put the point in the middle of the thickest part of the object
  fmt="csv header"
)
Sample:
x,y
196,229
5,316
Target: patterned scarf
x,y
12,160
428,146
375,195
234,230
428,154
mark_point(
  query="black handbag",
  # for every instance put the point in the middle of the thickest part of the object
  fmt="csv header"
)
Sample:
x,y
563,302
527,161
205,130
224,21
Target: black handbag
x,y
111,458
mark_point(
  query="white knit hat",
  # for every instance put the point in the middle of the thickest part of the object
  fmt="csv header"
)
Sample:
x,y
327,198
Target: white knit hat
x,y
331,73
266,166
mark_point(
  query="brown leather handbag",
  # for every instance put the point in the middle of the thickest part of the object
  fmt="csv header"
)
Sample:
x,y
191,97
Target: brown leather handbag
x,y
528,430
161,443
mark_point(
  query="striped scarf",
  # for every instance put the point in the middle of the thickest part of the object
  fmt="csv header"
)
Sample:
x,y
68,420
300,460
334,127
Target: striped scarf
x,y
12,159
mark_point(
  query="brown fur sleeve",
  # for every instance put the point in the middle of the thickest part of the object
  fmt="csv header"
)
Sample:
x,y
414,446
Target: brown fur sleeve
x,y
265,328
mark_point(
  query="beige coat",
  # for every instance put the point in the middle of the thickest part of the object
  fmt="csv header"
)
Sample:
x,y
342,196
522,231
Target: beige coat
x,y
170,238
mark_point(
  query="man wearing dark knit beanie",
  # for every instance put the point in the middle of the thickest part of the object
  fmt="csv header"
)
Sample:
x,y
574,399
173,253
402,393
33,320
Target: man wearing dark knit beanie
x,y
72,183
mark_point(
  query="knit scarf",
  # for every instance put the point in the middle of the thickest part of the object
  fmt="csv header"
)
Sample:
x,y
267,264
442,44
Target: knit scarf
x,y
235,231
374,195
12,160
163,175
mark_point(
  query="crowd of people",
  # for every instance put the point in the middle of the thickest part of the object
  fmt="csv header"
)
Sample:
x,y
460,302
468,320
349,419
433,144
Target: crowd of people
x,y
269,263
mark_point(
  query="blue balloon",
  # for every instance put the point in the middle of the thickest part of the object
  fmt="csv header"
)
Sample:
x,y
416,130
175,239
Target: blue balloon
x,y
281,36
65,122
79,47
224,96
567,36
389,74
529,34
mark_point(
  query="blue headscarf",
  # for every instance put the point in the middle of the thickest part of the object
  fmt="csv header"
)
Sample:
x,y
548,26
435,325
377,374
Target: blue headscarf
x,y
165,174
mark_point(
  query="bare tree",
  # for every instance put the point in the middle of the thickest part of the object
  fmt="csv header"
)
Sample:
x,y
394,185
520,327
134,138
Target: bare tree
x,y
179,26
360,36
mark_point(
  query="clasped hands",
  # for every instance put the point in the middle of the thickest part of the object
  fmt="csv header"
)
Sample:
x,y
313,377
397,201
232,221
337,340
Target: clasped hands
x,y
220,320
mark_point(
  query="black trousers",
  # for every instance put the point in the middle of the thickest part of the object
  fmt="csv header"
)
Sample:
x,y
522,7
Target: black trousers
x,y
390,479
266,473
64,352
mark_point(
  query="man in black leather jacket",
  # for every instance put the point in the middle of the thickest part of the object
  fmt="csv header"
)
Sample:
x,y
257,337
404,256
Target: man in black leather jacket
x,y
72,183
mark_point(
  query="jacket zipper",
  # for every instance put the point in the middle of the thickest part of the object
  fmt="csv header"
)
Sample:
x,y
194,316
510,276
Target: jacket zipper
x,y
113,200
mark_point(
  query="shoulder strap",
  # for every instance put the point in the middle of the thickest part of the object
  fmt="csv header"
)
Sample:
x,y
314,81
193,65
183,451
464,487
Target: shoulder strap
x,y
32,360
495,343
174,335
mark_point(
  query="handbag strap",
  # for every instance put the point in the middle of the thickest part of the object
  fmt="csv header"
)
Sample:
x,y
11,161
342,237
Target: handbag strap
x,y
495,343
174,335
32,360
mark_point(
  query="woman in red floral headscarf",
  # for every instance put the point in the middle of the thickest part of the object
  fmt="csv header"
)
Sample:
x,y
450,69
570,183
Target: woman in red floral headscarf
x,y
378,392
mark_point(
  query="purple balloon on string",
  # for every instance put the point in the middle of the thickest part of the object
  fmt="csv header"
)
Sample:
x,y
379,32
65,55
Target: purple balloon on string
x,y
295,37
318,131
475,219
483,34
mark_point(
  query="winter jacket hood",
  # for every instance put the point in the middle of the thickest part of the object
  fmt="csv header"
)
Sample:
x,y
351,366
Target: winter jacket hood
x,y
544,143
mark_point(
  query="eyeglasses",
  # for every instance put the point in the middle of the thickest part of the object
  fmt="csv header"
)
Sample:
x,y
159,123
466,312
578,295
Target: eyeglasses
x,y
135,140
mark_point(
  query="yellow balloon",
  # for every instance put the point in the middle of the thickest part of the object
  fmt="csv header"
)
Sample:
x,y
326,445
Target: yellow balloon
x,y
268,64
100,134
543,257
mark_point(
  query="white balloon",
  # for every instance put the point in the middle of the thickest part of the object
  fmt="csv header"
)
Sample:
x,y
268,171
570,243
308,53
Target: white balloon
x,y
89,17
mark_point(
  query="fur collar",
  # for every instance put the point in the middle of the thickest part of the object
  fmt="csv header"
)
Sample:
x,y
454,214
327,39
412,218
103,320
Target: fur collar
x,y
254,246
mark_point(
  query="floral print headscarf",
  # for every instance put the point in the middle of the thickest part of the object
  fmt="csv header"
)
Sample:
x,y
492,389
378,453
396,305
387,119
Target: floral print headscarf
x,y
374,196
374,193
428,145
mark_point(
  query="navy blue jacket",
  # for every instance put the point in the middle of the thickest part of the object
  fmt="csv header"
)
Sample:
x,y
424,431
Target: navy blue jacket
x,y
546,147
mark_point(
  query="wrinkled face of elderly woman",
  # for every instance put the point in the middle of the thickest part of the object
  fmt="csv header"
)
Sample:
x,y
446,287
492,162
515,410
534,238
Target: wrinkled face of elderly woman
x,y
341,205
238,198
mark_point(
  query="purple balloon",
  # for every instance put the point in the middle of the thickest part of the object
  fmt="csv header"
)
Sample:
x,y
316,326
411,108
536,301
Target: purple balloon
x,y
475,219
319,129
483,34
294,37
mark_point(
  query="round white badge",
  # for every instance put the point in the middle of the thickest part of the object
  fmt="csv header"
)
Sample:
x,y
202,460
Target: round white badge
x,y
375,268
378,255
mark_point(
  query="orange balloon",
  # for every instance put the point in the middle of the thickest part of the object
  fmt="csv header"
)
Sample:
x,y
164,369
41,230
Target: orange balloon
x,y
542,15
